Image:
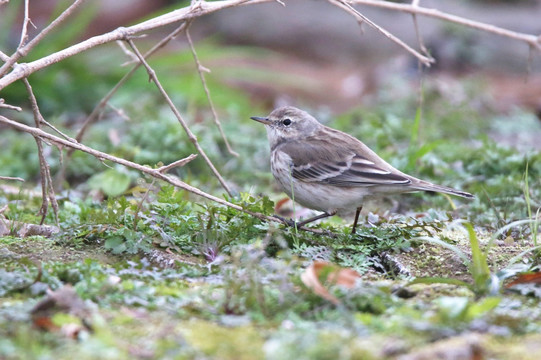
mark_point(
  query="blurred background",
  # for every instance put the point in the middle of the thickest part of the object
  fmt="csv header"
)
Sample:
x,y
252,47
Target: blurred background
x,y
318,54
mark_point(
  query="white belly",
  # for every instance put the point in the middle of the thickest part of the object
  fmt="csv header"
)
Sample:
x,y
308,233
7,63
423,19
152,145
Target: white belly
x,y
312,195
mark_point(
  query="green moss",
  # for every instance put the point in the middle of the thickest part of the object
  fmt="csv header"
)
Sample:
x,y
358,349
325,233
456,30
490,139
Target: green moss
x,y
244,342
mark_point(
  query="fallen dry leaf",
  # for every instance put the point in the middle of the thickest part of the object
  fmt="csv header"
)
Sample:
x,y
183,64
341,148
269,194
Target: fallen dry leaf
x,y
63,300
321,275
285,207
534,278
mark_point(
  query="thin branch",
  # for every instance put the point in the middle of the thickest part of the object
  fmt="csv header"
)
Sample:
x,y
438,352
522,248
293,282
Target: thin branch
x,y
127,51
103,102
23,51
24,31
533,40
420,41
97,111
350,9
47,189
22,70
181,162
42,162
3,56
200,70
148,170
415,3
46,123
9,107
11,178
191,136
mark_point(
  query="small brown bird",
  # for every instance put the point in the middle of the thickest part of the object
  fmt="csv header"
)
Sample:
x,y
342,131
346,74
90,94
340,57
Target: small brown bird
x,y
327,170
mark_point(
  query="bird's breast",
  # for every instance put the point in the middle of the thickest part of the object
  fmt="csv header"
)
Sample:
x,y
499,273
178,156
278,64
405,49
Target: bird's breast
x,y
281,167
312,195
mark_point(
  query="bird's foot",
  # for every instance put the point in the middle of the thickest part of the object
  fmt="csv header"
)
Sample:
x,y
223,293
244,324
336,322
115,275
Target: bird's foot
x,y
288,222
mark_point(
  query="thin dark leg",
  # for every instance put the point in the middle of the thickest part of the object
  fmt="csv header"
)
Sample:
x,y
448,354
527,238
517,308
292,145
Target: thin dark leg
x,y
320,216
357,213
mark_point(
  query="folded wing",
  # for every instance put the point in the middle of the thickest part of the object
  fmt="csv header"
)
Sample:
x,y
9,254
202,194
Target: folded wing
x,y
313,162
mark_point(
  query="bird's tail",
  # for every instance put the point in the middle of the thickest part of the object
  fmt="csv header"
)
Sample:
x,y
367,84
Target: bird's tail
x,y
427,186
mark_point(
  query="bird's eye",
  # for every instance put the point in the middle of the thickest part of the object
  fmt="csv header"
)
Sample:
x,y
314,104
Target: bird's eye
x,y
286,122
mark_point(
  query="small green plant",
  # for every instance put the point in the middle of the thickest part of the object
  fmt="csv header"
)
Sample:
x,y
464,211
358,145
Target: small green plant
x,y
484,281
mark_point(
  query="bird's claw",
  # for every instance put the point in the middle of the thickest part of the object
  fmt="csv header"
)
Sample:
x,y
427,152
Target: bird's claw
x,y
288,222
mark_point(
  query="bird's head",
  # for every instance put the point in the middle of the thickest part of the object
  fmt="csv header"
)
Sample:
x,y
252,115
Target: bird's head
x,y
288,123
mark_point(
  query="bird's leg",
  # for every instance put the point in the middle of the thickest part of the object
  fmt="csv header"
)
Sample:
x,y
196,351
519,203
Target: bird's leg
x,y
320,216
293,223
357,213
288,222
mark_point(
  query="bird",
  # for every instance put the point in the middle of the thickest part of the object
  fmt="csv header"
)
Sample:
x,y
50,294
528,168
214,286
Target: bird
x,y
327,170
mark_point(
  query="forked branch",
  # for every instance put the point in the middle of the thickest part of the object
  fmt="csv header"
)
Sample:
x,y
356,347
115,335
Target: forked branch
x,y
158,173
25,69
532,40
179,117
200,70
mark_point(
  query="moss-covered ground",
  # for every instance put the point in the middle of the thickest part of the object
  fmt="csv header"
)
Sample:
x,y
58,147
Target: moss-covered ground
x,y
141,270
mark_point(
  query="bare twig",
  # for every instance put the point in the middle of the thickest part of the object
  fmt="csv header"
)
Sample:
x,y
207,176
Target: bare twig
x,y
97,110
415,3
95,115
46,123
191,136
7,106
24,69
148,170
47,189
3,56
23,51
164,169
24,31
11,178
350,9
127,51
420,98
200,70
533,40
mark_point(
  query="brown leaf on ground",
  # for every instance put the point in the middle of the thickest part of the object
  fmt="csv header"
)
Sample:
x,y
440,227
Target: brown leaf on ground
x,y
321,275
534,278
63,300
285,207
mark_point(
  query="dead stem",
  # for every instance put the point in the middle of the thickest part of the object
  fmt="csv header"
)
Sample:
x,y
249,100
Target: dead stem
x,y
157,173
47,190
200,70
191,136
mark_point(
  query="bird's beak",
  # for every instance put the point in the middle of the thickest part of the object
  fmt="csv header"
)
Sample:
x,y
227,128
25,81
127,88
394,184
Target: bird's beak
x,y
261,119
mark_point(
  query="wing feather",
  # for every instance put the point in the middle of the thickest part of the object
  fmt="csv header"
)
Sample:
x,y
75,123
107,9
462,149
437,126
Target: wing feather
x,y
313,161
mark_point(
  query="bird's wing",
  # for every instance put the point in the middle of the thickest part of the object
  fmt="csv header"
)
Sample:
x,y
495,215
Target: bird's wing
x,y
320,161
